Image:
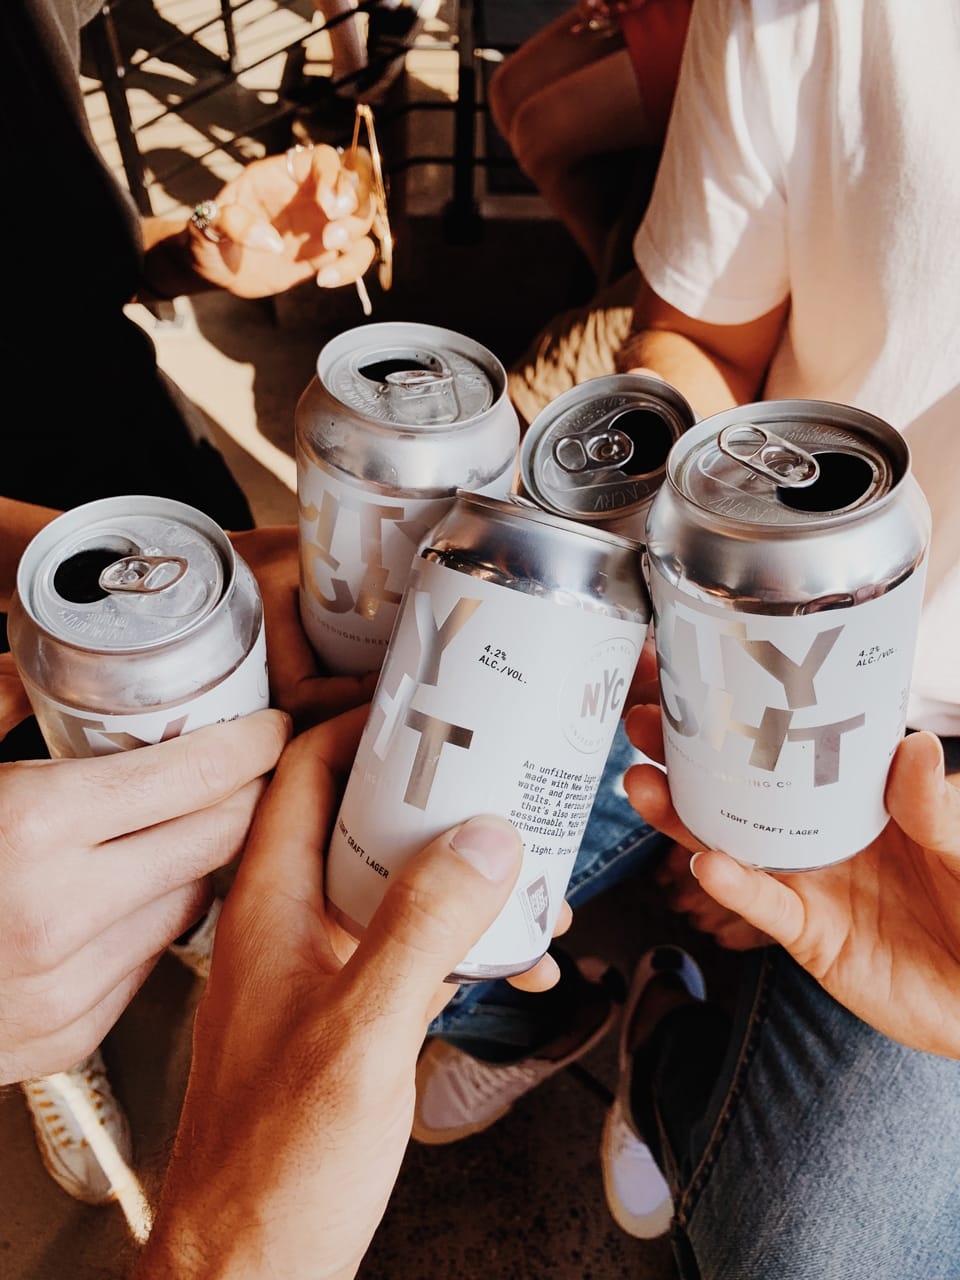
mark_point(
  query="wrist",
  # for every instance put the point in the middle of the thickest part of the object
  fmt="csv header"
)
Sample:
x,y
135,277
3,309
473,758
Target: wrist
x,y
169,269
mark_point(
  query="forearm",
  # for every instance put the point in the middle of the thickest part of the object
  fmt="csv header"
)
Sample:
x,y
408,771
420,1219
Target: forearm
x,y
708,383
714,366
19,521
168,265
226,1243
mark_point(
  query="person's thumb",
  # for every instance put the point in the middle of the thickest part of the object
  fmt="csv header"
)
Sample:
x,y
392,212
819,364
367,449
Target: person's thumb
x,y
919,798
434,911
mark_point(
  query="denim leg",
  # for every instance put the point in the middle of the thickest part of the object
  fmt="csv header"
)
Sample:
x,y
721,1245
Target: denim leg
x,y
485,1016
824,1151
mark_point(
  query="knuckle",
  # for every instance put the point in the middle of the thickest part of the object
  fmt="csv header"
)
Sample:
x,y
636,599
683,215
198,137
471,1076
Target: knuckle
x,y
25,826
426,928
36,942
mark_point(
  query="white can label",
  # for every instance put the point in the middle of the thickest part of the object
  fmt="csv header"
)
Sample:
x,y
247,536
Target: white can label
x,y
356,549
490,701
779,731
69,732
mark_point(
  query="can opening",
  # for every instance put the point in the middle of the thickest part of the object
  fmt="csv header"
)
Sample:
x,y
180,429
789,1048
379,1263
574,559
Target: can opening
x,y
844,478
77,579
650,435
380,370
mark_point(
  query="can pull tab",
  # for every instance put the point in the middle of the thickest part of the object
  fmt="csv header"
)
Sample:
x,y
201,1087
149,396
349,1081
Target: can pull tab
x,y
427,395
770,456
611,448
144,575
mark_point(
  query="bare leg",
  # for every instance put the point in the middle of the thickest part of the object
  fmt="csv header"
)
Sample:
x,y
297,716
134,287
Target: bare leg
x,y
546,57
573,137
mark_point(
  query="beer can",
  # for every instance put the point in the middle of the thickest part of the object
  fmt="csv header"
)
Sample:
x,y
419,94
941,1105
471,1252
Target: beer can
x,y
398,417
598,452
502,686
787,552
134,621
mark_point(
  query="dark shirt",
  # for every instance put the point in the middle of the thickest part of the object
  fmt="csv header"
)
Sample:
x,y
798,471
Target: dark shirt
x,y
88,412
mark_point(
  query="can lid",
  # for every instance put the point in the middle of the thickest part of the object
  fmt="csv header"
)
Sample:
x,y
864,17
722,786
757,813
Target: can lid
x,y
419,381
121,582
600,449
514,506
789,463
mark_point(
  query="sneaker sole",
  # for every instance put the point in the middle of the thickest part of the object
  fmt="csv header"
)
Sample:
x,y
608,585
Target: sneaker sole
x,y
642,1226
427,1064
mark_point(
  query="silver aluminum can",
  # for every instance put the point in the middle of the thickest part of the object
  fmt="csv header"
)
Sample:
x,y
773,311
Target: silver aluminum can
x,y
135,621
398,417
503,684
787,554
598,452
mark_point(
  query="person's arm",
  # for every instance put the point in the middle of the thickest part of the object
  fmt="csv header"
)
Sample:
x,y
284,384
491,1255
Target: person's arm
x,y
713,366
19,522
302,1083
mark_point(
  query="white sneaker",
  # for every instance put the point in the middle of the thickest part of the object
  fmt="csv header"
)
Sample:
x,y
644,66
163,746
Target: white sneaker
x,y
637,1193
197,952
73,1111
458,1095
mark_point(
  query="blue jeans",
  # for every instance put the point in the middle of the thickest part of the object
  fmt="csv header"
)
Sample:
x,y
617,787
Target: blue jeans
x,y
494,1021
800,1143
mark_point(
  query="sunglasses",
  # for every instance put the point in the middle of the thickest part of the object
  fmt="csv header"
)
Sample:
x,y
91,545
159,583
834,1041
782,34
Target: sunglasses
x,y
363,127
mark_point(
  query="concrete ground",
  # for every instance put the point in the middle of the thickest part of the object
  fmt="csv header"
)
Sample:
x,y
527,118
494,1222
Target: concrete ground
x,y
523,1201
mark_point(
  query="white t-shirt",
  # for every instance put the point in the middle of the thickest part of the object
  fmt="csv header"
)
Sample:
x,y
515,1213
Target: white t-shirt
x,y
814,151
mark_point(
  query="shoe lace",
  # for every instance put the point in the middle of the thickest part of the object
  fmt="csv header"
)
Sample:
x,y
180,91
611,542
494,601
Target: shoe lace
x,y
90,1076
482,1082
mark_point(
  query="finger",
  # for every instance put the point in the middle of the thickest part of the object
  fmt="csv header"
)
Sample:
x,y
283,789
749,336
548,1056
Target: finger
x,y
93,800
340,233
14,703
283,859
324,697
769,905
919,798
45,1001
434,911
644,728
134,870
544,975
645,685
242,227
564,919
337,199
649,793
63,1047
349,266
359,169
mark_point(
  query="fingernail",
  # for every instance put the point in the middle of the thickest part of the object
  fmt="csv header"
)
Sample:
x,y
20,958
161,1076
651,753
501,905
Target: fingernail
x,y
262,236
328,277
693,865
335,236
490,844
345,201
